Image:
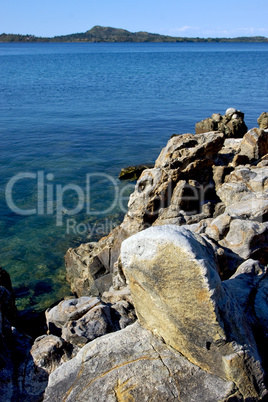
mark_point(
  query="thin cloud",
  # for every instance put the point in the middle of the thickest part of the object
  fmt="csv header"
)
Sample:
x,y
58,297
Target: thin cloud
x,y
192,31
183,29
235,31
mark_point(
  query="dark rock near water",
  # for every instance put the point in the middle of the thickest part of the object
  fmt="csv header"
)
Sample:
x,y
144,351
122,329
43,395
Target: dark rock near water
x,y
231,124
133,172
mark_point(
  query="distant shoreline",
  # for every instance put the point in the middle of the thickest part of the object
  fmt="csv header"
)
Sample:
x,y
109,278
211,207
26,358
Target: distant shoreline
x,y
100,34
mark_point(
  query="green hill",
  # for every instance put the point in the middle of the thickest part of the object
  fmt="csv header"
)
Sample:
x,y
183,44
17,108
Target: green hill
x,y
108,34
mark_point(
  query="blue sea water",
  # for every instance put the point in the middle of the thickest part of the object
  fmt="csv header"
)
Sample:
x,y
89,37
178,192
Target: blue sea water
x,y
74,114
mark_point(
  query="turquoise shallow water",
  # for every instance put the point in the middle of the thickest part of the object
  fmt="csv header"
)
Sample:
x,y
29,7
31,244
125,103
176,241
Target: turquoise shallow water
x,y
69,111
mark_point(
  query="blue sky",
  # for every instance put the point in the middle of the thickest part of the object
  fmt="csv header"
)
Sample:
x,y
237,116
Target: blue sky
x,y
205,18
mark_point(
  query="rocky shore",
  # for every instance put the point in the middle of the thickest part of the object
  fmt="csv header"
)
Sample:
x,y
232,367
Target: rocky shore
x,y
173,303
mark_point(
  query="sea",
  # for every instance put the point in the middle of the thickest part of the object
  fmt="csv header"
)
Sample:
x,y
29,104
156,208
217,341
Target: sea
x,y
73,114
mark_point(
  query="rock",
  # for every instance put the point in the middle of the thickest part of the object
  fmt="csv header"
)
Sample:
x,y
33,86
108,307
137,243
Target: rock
x,y
261,309
79,321
263,120
239,160
255,144
219,174
139,367
219,227
124,312
231,148
243,183
8,310
263,162
89,267
254,207
248,239
69,310
185,149
49,352
219,209
245,283
119,280
133,172
231,124
177,294
20,378
206,125
216,117
113,296
232,128
146,200
250,286
231,111
95,323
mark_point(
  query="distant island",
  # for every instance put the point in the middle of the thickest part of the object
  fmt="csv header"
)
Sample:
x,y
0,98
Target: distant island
x,y
108,34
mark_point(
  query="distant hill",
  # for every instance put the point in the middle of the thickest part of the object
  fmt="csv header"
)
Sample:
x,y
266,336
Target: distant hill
x,y
108,34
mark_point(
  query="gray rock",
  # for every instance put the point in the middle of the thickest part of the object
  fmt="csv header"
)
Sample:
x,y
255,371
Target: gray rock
x,y
133,365
248,239
243,184
261,308
89,267
95,323
245,282
177,294
48,352
185,149
69,310
79,321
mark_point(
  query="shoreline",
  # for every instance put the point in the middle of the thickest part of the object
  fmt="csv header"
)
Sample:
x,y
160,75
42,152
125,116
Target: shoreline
x,y
182,279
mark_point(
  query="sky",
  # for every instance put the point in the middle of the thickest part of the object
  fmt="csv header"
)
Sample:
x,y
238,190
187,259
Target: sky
x,y
192,18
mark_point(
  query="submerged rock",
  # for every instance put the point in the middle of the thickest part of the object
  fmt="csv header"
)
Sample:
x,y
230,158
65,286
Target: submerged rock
x,y
133,172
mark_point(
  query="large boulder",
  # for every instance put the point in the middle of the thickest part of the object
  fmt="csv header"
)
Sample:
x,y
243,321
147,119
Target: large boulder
x,y
134,365
178,295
